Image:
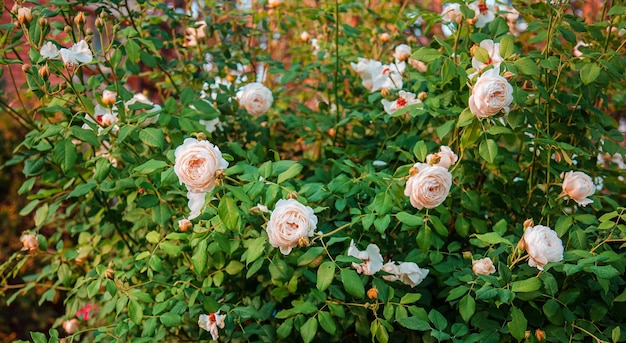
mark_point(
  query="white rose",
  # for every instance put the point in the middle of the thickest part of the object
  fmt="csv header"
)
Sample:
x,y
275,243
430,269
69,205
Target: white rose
x,y
49,51
578,186
256,98
493,49
491,94
402,52
196,164
483,266
444,158
139,98
543,246
408,273
211,323
429,187
78,53
404,99
371,257
290,224
484,13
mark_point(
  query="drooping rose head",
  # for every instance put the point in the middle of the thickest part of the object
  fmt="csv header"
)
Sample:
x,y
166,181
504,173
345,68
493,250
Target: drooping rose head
x,y
290,224
429,187
372,259
444,158
29,242
196,164
256,98
491,94
483,266
578,186
408,273
211,322
543,246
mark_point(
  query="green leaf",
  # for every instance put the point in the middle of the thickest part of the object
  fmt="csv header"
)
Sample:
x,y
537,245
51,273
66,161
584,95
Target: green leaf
x,y
292,171
135,311
465,118
528,285
310,255
527,66
327,322
507,46
285,328
426,55
308,330
518,323
41,215
64,154
438,320
132,50
410,298
492,238
325,275
414,323
482,55
488,150
255,250
467,306
82,189
38,337
150,166
420,150
152,137
229,213
85,135
589,73
352,283
153,237
170,319
200,257
234,267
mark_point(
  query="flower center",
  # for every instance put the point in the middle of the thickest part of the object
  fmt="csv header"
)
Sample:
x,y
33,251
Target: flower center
x,y
401,102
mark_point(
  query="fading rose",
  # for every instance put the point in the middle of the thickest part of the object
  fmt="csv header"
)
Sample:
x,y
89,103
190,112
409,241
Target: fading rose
x,y
372,259
578,186
429,187
483,266
211,323
256,98
196,164
24,15
576,52
543,246
491,94
444,158
29,242
408,273
70,326
290,223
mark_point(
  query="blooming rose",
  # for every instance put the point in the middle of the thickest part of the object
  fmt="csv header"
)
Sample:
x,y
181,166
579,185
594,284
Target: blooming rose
x,y
483,266
29,242
402,52
450,14
78,53
70,326
211,322
429,187
404,99
493,49
543,246
578,186
444,158
372,259
256,98
408,273
196,164
484,13
290,224
491,94
376,75
49,51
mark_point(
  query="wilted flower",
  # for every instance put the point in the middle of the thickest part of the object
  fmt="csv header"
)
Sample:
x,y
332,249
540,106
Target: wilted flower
x,y
372,259
49,51
543,246
29,242
372,293
376,76
184,224
211,323
491,94
289,223
384,37
578,186
429,187
78,53
408,273
404,99
418,65
483,266
256,98
70,326
444,158
104,117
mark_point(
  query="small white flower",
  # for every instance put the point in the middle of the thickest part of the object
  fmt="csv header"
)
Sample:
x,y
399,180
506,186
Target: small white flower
x,y
211,323
77,54
543,245
404,99
372,259
408,273
49,51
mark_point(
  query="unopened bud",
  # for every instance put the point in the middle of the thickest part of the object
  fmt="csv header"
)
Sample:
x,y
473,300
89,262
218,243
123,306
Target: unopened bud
x,y
293,195
99,22
89,32
219,174
384,37
413,171
25,68
230,78
528,223
467,255
109,273
79,19
473,49
184,224
24,15
527,334
30,242
508,75
67,29
303,242
108,97
15,8
422,96
540,335
44,72
385,92
70,326
43,22
471,21
372,293
201,136
305,36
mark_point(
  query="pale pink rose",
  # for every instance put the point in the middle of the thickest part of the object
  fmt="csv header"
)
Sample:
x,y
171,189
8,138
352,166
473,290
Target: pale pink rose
x,y
77,54
371,257
256,98
493,49
484,13
195,203
577,52
483,266
49,51
491,94
578,186
429,187
211,323
196,163
402,52
418,65
290,225
543,246
70,326
444,158
29,242
376,76
305,36
108,97
408,273
404,99
452,13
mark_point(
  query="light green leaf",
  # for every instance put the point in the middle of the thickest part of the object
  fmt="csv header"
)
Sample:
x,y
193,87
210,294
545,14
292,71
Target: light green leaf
x,y
589,73
467,306
170,319
292,171
492,238
234,267
255,250
410,219
352,283
528,285
153,237
488,150
229,213
152,137
518,323
414,323
325,275
410,298
438,320
135,312
150,166
64,154
200,257
308,330
465,118
426,55
507,46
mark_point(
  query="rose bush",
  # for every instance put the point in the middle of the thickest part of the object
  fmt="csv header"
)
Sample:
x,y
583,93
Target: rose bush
x,y
375,187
